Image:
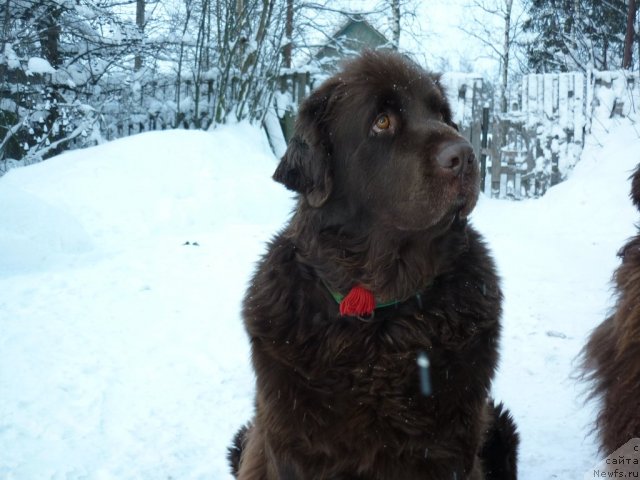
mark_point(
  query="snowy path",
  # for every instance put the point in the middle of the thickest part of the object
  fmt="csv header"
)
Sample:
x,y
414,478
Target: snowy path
x,y
122,355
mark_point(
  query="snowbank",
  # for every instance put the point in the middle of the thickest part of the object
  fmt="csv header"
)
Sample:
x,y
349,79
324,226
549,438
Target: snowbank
x,y
122,354
138,188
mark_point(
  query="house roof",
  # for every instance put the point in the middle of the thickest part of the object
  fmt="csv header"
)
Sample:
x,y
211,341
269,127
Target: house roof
x,y
352,37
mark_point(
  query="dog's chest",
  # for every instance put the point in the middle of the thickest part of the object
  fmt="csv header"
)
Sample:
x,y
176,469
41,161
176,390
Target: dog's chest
x,y
363,377
371,362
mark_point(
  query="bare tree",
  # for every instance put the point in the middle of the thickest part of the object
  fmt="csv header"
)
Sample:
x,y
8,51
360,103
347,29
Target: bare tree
x,y
506,53
315,22
287,49
140,4
188,12
241,40
395,24
489,13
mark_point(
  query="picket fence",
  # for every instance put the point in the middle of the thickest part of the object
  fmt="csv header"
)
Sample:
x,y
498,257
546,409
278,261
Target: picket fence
x,y
542,136
522,152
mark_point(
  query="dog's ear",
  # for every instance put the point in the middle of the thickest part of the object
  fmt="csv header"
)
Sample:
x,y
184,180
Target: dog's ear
x,y
306,165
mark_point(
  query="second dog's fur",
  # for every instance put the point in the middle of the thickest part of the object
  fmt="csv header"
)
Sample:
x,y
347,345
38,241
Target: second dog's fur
x,y
612,355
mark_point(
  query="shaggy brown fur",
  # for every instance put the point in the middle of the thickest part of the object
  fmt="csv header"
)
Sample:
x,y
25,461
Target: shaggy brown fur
x,y
612,355
385,183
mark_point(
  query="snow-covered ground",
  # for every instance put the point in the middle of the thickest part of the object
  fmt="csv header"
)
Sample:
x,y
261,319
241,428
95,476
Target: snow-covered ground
x,y
122,353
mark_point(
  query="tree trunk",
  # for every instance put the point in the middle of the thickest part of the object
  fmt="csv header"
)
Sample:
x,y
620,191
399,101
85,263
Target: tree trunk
x,y
5,28
506,48
395,23
49,35
140,24
628,38
200,58
250,65
180,59
287,51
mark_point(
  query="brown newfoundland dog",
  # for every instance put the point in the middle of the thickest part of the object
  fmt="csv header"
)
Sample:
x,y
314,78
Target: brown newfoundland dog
x,y
377,267
612,355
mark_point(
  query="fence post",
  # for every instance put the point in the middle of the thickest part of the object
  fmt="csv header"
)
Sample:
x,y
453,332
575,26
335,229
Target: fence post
x,y
484,137
497,142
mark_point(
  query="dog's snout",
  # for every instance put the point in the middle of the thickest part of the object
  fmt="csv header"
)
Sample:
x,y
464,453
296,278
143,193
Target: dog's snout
x,y
455,156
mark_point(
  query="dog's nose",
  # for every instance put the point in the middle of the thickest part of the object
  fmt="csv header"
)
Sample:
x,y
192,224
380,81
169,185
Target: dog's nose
x,y
455,156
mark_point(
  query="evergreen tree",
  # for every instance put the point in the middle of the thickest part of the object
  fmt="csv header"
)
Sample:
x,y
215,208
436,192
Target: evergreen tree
x,y
567,35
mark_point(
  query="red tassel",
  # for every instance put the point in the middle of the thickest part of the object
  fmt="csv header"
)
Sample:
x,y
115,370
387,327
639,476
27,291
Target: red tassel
x,y
359,302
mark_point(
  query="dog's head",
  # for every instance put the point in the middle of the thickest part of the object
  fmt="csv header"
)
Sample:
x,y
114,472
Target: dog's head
x,y
378,139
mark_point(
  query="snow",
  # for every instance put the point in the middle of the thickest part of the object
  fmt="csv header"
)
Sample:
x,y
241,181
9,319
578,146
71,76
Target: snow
x,y
37,65
622,89
122,353
556,256
113,363
274,131
10,57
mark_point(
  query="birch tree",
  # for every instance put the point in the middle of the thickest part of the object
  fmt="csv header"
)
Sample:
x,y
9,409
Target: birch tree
x,y
498,25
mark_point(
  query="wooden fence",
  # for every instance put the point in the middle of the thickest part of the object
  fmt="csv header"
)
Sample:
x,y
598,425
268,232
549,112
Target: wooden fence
x,y
123,109
543,134
522,152
153,107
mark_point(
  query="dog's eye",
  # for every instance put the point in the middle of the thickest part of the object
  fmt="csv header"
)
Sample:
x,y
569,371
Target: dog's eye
x,y
382,123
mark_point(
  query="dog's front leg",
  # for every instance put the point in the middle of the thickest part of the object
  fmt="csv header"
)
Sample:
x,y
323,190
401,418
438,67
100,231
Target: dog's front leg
x,y
259,462
253,463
